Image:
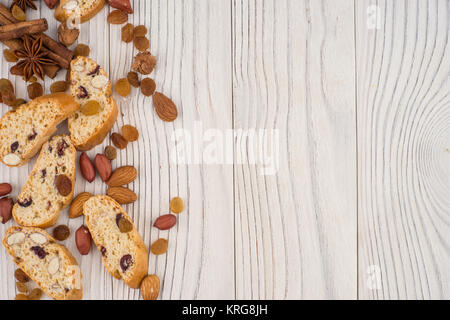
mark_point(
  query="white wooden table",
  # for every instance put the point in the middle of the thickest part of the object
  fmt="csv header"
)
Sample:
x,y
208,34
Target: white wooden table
x,y
359,207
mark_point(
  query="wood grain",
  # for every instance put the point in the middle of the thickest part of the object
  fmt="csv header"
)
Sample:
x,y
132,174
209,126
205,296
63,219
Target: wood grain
x,y
403,138
296,230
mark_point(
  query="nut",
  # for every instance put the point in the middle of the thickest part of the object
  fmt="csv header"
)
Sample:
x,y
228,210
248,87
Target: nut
x,y
79,66
122,176
150,287
67,36
63,184
6,205
99,82
53,266
76,208
103,166
15,238
11,159
165,222
61,232
122,195
51,3
5,188
83,240
87,168
38,238
21,276
122,5
164,107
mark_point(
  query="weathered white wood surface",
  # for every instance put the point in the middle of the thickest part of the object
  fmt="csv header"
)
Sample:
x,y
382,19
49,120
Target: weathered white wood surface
x,y
358,207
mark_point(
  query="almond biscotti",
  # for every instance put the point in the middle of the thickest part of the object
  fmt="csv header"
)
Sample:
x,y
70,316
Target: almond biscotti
x,y
123,251
49,188
89,83
82,9
25,129
48,263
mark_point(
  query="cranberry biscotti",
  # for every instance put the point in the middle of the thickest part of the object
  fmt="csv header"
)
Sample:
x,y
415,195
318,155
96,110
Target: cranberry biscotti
x,y
24,130
48,263
91,88
123,251
49,188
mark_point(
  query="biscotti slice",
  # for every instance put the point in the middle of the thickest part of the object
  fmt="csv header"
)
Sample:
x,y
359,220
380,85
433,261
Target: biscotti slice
x,y
49,188
83,10
25,129
46,262
90,82
123,252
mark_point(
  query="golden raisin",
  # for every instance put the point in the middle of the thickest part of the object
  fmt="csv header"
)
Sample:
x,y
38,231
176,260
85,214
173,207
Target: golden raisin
x,y
127,33
18,13
176,205
110,152
148,87
124,225
130,133
140,31
8,97
10,56
58,86
22,287
21,296
21,276
90,108
123,87
133,79
141,43
6,84
18,102
35,294
35,90
117,17
81,50
119,141
160,246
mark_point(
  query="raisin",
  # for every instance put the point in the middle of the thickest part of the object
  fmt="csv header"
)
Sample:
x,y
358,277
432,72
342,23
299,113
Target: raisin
x,y
18,13
83,94
159,246
133,79
44,173
32,136
148,87
117,17
14,146
21,296
35,90
26,203
140,31
110,153
90,108
130,133
58,86
119,141
22,287
39,251
127,33
103,251
21,276
176,205
19,102
126,262
10,56
61,232
81,50
35,294
141,43
123,87
124,225
6,84
63,184
144,63
95,71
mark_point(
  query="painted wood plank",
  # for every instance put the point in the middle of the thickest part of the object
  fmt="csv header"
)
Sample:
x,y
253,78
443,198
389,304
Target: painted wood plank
x,y
293,72
403,139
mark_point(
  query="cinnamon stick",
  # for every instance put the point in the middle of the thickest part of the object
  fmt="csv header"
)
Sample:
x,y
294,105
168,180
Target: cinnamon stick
x,y
18,30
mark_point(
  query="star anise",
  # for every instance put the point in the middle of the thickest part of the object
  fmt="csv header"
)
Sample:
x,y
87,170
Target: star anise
x,y
31,59
23,4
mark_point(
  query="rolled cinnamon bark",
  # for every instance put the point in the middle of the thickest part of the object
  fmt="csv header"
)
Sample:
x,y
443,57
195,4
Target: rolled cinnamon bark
x,y
18,30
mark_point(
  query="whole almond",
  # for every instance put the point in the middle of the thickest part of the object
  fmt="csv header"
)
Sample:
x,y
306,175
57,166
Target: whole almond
x,y
165,222
122,176
83,240
6,205
103,166
5,188
87,168
150,287
122,195
76,208
164,107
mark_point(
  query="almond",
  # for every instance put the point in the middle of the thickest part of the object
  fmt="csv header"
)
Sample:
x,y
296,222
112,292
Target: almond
x,y
87,168
103,166
5,188
150,287
164,107
6,205
122,176
83,240
76,208
165,222
122,195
